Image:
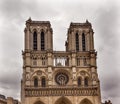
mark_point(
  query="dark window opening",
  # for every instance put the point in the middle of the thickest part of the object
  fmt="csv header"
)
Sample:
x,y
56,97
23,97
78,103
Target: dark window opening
x,y
42,41
86,81
79,81
35,82
83,42
35,40
43,82
77,42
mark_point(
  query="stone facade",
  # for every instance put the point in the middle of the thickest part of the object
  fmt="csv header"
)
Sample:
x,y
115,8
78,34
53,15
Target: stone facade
x,y
59,77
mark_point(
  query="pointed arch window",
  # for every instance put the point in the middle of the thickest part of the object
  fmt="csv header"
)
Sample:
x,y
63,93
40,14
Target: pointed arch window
x,y
35,82
77,41
43,82
42,41
35,40
79,81
86,82
83,42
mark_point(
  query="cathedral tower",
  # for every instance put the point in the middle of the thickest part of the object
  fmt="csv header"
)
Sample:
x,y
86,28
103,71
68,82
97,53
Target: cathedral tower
x,y
59,77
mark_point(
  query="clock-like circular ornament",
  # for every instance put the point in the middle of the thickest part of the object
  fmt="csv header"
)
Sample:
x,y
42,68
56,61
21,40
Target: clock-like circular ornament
x,y
61,78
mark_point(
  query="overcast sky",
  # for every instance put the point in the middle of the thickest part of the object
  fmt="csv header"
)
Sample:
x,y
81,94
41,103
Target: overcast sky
x,y
104,16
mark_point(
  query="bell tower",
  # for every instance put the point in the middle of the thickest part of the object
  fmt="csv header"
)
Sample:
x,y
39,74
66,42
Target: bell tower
x,y
37,57
38,36
59,77
80,37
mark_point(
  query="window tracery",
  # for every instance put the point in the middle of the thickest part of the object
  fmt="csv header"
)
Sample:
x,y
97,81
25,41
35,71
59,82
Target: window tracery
x,y
61,78
43,82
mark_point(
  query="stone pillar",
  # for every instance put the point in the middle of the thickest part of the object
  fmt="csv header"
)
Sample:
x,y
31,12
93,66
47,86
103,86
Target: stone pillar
x,y
27,38
93,59
91,40
74,76
73,41
49,40
74,68
73,59
50,64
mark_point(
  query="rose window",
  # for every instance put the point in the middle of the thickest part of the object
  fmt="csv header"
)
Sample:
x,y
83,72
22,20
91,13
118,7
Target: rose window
x,y
61,78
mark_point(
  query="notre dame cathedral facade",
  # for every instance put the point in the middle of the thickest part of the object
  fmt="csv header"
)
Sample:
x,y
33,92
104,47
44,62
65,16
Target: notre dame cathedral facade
x,y
59,77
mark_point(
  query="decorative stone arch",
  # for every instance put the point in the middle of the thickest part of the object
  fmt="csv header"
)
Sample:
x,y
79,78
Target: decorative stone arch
x,y
34,30
86,101
83,74
86,73
43,30
38,74
63,70
39,102
63,100
85,77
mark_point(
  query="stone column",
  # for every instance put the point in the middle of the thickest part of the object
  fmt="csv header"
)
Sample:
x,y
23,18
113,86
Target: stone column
x,y
27,38
91,40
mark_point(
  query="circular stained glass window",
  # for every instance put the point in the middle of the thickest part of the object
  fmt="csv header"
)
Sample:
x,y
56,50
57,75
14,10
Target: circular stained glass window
x,y
61,78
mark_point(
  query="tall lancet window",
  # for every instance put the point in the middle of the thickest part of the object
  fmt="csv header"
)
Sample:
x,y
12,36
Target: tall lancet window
x,y
79,81
35,82
35,40
86,82
42,41
43,82
83,42
77,41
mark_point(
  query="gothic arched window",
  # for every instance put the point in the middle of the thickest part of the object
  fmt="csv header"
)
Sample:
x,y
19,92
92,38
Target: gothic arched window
x,y
35,40
79,81
42,41
35,82
77,41
86,81
83,42
43,82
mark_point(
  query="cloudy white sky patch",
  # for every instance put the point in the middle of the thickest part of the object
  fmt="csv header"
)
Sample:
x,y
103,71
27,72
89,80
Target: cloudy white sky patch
x,y
104,16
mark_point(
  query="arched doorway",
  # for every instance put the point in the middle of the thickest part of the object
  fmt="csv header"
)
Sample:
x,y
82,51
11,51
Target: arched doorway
x,y
85,101
63,100
38,102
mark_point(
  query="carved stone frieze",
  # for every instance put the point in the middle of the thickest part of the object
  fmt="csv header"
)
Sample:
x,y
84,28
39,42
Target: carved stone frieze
x,y
76,91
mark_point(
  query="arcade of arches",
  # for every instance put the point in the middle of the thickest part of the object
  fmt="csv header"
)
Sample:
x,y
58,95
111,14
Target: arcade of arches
x,y
64,100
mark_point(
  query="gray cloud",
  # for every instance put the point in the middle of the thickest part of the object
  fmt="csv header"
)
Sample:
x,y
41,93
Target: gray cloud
x,y
107,26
